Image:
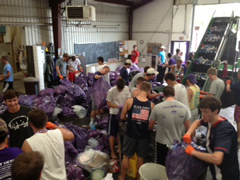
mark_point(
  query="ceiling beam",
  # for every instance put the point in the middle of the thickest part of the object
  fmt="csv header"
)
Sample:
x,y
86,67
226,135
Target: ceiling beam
x,y
119,2
141,3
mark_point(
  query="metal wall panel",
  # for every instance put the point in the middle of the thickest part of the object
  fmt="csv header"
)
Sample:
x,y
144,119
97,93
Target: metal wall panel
x,y
35,16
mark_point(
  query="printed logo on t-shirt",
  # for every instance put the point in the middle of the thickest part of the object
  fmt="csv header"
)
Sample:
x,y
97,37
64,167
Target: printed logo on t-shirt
x,y
140,113
16,123
5,169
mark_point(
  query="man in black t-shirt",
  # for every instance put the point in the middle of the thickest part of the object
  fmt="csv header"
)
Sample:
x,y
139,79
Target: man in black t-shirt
x,y
97,75
221,144
16,119
124,72
136,139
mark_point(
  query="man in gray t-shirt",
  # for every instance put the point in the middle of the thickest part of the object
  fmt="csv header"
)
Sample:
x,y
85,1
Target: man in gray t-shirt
x,y
217,85
173,119
61,66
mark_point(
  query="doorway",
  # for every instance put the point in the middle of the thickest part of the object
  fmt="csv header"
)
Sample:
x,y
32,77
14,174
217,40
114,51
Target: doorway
x,y
183,46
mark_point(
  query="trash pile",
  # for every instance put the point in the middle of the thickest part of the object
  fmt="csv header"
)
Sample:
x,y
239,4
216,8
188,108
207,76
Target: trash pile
x,y
85,141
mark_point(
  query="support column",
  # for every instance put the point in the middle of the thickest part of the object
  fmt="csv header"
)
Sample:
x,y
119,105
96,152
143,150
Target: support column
x,y
57,25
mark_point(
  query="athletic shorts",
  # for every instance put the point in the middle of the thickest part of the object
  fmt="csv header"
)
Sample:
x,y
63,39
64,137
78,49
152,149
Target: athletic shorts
x,y
94,107
7,86
72,76
113,126
237,114
132,146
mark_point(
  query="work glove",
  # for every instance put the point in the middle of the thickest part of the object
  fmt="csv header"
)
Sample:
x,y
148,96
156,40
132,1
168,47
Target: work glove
x,y
229,81
61,77
50,125
201,96
189,150
202,92
187,138
76,71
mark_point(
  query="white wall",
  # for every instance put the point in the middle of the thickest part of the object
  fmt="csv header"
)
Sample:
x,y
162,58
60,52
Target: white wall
x,y
182,23
152,23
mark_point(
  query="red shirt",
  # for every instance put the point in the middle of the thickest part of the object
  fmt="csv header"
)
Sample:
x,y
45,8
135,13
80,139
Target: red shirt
x,y
135,55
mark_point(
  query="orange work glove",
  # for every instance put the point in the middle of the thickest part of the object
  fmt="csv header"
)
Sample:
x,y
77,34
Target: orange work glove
x,y
50,125
228,81
201,96
76,71
61,77
202,92
189,150
187,138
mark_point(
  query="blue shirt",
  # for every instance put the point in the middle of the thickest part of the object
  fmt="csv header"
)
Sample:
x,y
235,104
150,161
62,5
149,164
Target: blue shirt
x,y
8,68
162,55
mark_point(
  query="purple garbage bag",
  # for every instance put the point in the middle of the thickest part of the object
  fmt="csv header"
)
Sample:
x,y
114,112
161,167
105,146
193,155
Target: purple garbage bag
x,y
90,79
70,152
46,92
27,100
74,172
68,101
76,91
82,82
103,123
102,138
61,89
67,111
181,166
46,103
99,92
66,82
81,137
119,68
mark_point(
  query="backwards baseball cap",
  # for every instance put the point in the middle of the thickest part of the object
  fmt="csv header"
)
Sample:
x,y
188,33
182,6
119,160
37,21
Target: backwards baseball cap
x,y
152,71
128,61
3,127
192,78
163,47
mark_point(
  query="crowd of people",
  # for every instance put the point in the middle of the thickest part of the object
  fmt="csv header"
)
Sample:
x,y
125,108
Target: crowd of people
x,y
33,148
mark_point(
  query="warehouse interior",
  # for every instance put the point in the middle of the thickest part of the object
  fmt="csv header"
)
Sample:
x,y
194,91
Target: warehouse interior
x,y
201,34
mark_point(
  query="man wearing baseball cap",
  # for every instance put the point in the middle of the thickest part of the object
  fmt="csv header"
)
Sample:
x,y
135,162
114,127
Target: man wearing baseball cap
x,y
124,72
161,64
7,154
193,96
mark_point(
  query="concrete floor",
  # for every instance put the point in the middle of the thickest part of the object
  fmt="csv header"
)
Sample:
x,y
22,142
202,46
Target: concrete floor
x,y
19,86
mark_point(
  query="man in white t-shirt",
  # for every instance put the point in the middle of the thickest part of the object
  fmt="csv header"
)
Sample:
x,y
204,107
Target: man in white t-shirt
x,y
100,62
50,143
116,98
180,90
74,66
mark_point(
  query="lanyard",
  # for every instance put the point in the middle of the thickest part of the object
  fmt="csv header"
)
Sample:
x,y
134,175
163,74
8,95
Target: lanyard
x,y
43,131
